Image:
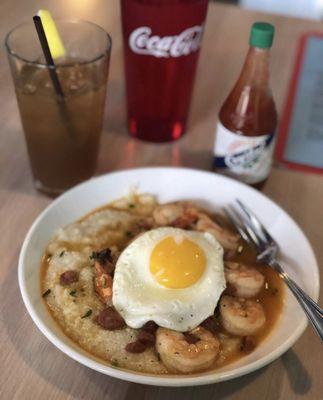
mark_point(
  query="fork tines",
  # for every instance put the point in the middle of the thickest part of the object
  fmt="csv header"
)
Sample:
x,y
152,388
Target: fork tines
x,y
233,217
255,222
248,225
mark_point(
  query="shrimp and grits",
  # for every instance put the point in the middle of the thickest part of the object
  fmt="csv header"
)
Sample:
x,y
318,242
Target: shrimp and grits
x,y
159,288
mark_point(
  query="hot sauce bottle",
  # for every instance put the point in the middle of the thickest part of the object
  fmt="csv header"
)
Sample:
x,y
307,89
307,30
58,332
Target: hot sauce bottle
x,y
244,141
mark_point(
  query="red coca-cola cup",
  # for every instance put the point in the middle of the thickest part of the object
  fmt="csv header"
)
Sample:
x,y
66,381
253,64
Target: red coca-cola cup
x,y
161,44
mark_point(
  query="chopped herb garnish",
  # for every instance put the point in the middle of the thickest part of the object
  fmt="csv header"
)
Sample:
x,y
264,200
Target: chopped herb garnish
x,y
114,363
45,294
73,293
131,205
92,255
158,357
87,314
62,253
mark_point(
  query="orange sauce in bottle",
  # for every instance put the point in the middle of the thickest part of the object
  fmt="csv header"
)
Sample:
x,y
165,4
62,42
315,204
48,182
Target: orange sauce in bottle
x,y
248,117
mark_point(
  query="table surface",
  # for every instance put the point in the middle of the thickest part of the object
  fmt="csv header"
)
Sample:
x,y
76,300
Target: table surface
x,y
31,367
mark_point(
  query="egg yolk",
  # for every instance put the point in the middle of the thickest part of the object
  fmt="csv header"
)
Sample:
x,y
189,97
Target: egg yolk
x,y
177,262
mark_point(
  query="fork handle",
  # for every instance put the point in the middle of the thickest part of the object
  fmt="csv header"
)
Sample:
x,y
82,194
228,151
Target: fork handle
x,y
313,311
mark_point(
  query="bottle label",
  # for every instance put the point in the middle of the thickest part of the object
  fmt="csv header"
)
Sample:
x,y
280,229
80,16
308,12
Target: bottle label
x,y
143,41
247,158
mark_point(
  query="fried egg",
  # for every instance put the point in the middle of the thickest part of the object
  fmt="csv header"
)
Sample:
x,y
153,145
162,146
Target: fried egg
x,y
171,276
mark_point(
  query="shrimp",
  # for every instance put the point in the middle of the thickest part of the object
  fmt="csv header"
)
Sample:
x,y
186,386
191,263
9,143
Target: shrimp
x,y
226,238
246,281
178,214
180,355
102,282
167,213
240,316
184,215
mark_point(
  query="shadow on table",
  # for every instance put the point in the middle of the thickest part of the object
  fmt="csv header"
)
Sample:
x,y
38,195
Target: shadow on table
x,y
299,378
217,391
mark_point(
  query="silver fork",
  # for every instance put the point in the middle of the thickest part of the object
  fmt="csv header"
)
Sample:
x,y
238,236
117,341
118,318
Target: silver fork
x,y
253,232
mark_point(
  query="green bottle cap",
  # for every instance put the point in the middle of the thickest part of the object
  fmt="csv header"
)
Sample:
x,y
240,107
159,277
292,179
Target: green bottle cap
x,y
262,35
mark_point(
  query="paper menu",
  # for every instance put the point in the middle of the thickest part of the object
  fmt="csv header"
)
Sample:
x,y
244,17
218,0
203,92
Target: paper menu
x,y
300,139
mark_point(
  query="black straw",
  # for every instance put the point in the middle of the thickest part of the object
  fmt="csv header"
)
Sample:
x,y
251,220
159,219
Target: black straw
x,y
48,55
61,103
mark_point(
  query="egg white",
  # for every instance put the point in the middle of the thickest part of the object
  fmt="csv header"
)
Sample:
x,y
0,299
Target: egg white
x,y
139,298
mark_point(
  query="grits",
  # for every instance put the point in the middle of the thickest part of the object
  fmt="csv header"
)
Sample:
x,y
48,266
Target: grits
x,y
76,306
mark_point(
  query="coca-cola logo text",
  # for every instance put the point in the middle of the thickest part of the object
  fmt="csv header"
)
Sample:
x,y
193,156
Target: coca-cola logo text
x,y
141,41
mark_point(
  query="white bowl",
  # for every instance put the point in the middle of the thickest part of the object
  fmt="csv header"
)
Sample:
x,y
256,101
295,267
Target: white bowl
x,y
171,184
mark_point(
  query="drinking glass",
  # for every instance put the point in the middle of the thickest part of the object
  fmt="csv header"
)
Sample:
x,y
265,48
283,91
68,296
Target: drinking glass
x,y
62,132
161,41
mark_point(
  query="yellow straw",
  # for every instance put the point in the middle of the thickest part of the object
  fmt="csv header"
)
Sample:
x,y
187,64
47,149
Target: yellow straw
x,y
54,40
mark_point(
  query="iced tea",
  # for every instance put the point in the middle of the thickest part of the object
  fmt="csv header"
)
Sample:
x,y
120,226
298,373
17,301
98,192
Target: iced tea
x,y
62,146
62,134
